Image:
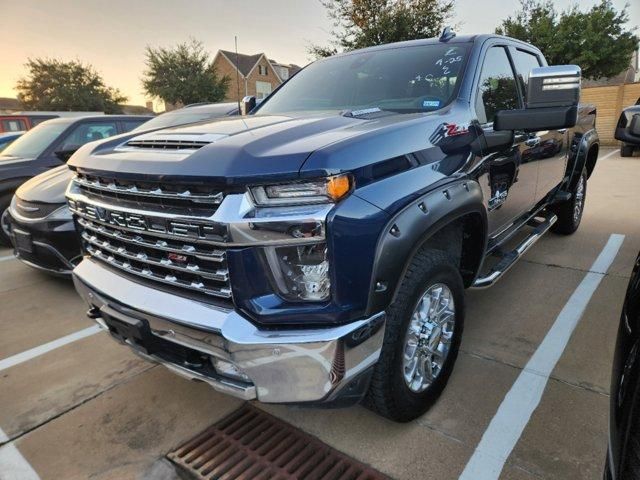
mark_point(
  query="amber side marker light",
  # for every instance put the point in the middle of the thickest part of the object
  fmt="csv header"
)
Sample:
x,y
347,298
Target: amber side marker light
x,y
338,186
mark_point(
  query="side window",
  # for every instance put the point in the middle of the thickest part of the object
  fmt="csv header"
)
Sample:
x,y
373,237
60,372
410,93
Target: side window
x,y
524,62
13,125
88,132
37,120
128,125
497,88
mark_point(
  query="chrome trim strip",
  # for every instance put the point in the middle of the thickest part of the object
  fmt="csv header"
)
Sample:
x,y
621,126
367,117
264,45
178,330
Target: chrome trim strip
x,y
555,71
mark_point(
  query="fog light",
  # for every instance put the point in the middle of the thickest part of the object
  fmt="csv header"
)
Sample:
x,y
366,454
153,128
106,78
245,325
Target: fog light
x,y
301,272
228,369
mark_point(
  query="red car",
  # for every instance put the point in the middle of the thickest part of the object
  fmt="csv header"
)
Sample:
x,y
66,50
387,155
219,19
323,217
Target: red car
x,y
21,123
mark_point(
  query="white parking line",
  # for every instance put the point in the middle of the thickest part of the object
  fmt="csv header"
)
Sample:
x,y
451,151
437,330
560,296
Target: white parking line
x,y
607,155
516,409
47,347
13,466
8,257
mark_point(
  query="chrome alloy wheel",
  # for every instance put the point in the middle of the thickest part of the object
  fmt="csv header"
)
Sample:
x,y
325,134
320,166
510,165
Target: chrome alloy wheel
x,y
579,200
428,338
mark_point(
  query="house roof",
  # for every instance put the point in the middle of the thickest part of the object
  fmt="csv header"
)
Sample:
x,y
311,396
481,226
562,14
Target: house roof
x,y
244,63
10,104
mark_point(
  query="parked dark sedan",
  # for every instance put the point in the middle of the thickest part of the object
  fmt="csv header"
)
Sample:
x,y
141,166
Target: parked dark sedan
x,y
628,130
623,459
43,233
45,238
49,145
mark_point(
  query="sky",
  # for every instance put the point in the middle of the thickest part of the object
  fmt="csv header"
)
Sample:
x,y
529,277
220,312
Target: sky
x,y
112,35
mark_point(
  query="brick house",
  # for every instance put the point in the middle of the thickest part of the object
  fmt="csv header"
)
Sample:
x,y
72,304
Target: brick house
x,y
258,75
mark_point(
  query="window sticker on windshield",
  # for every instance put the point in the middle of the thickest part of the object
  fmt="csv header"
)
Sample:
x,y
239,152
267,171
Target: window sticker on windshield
x,y
430,103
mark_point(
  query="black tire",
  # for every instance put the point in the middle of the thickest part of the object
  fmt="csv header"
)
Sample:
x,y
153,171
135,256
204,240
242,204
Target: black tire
x,y
388,393
630,468
4,206
569,217
626,150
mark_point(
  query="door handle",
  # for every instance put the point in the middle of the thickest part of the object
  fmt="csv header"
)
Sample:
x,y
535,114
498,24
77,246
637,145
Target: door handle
x,y
532,142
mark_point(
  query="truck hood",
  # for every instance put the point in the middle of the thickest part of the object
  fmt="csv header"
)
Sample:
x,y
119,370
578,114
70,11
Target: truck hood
x,y
258,149
48,187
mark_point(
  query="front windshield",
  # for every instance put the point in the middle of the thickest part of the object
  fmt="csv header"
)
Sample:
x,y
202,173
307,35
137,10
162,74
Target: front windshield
x,y
35,141
406,79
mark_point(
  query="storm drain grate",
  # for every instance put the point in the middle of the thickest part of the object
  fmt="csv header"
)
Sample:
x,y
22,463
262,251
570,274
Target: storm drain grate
x,y
251,444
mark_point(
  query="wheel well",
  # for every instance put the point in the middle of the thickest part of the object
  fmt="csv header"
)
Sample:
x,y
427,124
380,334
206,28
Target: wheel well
x,y
464,241
592,157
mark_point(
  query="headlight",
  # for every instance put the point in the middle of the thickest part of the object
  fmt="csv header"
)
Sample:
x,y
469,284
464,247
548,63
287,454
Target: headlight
x,y
300,272
62,213
330,189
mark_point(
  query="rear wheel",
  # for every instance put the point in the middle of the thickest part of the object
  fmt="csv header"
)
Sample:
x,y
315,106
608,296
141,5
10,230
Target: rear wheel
x,y
626,150
422,337
570,212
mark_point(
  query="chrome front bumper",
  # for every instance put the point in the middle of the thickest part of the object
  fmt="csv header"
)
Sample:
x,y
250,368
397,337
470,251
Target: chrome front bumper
x,y
284,365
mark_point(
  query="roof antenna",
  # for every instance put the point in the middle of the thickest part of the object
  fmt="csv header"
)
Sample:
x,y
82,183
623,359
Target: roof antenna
x,y
447,34
237,74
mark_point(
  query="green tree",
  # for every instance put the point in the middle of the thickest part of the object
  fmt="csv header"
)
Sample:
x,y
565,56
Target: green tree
x,y
596,40
183,74
364,23
62,86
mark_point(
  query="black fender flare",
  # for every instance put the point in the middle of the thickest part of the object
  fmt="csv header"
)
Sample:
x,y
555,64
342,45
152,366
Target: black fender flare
x,y
414,225
578,161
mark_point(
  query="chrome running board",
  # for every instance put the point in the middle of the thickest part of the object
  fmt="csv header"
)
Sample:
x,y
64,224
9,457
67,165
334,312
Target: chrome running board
x,y
511,257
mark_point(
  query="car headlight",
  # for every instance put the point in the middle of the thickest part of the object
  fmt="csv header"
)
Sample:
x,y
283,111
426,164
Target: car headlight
x,y
62,213
300,272
330,189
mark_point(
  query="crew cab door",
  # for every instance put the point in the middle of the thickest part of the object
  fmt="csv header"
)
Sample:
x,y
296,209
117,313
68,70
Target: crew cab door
x,y
509,179
547,149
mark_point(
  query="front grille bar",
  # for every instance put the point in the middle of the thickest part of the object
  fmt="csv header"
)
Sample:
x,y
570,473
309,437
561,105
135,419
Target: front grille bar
x,y
219,275
126,266
112,187
196,251
151,233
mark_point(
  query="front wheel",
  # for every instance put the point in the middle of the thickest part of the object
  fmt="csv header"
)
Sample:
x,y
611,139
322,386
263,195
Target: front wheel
x,y
4,224
570,212
422,338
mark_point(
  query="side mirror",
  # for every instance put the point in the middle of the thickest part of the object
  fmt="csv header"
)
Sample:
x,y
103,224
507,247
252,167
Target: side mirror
x,y
553,94
247,104
65,154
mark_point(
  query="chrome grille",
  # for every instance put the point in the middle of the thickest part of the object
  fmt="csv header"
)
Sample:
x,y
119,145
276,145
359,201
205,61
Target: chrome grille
x,y
173,250
170,197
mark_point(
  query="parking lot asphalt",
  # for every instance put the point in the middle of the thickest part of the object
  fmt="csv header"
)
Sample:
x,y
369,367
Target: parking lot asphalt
x,y
91,409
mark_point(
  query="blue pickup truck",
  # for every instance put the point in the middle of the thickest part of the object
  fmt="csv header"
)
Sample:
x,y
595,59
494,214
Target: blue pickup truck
x,y
317,249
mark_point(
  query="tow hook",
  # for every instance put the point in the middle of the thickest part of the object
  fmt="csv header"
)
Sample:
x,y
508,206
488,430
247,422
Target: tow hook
x,y
94,313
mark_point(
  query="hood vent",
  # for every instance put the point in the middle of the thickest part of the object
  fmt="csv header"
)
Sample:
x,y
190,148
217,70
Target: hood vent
x,y
167,144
